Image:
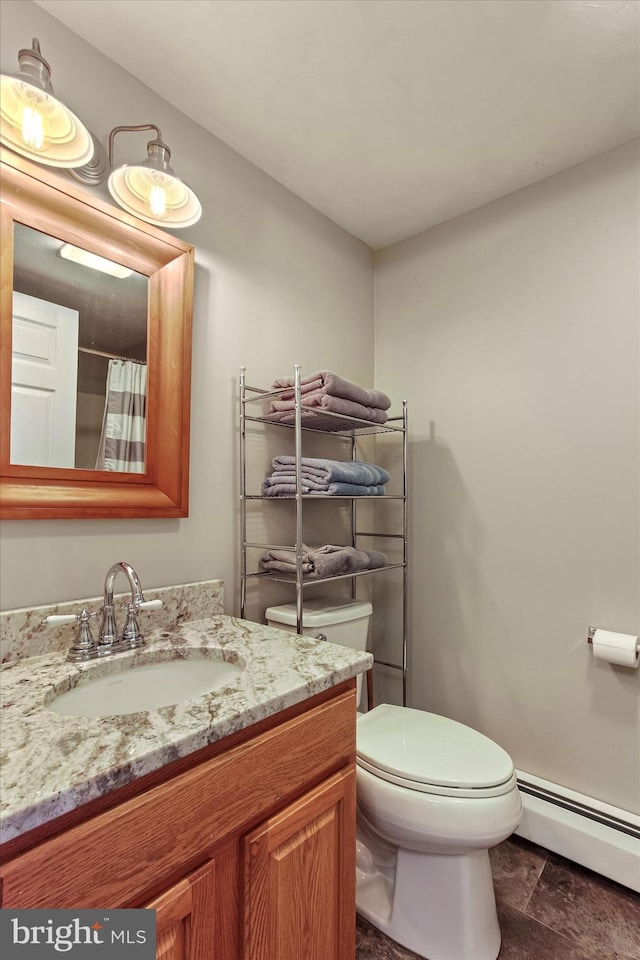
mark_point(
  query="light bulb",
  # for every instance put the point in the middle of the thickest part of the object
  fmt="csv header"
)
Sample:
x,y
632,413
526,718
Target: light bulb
x,y
32,128
32,120
158,201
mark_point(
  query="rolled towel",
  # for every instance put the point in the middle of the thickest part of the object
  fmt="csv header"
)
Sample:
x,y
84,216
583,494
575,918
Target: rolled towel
x,y
327,382
377,559
344,471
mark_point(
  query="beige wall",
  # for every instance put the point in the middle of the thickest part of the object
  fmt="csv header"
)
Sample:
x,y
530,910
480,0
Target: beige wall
x,y
276,283
513,333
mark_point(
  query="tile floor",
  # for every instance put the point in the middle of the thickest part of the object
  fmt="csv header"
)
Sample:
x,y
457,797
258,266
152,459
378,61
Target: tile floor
x,y
549,909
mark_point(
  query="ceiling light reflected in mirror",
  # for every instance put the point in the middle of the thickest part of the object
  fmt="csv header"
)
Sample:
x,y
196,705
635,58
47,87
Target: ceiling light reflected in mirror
x,y
87,259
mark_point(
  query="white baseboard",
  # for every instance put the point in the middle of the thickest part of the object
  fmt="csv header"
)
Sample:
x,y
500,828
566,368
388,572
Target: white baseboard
x,y
598,836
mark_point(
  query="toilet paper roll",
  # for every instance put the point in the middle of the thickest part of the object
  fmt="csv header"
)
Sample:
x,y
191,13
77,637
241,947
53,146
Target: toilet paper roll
x,y
620,648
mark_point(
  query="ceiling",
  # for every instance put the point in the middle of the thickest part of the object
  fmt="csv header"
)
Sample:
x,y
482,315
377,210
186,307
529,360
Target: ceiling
x,y
388,116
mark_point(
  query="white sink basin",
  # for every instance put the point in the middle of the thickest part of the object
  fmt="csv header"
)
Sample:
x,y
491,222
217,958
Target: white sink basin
x,y
146,687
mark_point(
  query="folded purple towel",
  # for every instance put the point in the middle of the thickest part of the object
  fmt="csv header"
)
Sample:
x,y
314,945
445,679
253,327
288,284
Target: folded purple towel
x,y
326,382
317,421
348,408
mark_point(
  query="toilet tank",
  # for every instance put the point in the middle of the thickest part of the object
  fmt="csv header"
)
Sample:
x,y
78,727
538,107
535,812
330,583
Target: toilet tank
x,y
345,622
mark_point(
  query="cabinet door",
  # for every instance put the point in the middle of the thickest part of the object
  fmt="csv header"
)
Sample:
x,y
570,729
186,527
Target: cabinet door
x,y
186,918
299,878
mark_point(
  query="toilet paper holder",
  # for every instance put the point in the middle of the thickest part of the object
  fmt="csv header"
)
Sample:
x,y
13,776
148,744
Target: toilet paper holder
x,y
591,633
618,649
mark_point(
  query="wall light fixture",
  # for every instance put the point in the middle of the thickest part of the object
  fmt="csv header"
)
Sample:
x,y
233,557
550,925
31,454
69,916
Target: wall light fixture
x,y
150,189
38,126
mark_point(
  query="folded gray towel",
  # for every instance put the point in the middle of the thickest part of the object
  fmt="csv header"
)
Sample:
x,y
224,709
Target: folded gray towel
x,y
284,561
286,487
272,487
327,382
320,562
328,559
328,471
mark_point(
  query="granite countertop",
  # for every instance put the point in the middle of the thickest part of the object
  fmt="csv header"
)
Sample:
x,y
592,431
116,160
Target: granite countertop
x,y
51,764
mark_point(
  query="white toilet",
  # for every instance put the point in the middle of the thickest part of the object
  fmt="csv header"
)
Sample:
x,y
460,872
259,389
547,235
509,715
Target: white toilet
x,y
433,796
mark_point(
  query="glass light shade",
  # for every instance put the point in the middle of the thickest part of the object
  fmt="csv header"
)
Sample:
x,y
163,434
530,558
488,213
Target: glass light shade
x,y
154,196
36,125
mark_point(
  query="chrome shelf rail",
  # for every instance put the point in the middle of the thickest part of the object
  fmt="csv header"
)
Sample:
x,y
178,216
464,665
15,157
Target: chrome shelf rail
x,y
347,428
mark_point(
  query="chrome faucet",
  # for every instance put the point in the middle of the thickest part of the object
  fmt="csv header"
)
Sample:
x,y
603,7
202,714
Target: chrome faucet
x,y
85,647
108,639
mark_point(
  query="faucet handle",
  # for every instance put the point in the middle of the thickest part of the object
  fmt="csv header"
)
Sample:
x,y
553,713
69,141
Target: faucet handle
x,y
150,604
142,605
57,619
132,636
84,647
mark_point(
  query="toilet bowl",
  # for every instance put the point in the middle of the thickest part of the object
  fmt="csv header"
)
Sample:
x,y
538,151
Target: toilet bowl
x,y
432,796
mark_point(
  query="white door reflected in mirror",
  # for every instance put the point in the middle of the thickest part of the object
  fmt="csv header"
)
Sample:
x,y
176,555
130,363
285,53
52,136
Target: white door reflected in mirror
x,y
44,373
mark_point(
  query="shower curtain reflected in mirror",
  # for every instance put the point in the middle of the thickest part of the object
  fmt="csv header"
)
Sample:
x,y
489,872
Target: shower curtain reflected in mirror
x,y
122,441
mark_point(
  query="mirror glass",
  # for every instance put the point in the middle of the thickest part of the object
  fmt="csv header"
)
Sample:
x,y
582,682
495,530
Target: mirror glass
x,y
79,357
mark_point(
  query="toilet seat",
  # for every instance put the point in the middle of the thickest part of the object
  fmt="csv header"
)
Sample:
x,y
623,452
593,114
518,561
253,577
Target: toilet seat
x,y
431,754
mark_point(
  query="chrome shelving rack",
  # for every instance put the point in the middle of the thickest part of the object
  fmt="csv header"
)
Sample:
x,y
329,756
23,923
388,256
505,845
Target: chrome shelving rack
x,y
348,428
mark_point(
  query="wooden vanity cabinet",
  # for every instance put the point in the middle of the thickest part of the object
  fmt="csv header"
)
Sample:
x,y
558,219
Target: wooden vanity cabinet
x,y
184,927
299,888
248,855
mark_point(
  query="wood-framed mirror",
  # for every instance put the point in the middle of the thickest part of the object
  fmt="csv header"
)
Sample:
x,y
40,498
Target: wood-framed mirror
x,y
76,328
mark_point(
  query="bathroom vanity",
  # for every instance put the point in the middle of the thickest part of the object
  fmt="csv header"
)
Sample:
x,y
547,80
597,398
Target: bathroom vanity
x,y
232,815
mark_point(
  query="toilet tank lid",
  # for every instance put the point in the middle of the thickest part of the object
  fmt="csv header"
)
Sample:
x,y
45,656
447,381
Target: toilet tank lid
x,y
430,749
320,612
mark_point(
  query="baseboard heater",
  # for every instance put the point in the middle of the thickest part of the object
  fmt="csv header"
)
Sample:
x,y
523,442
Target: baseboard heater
x,y
603,838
